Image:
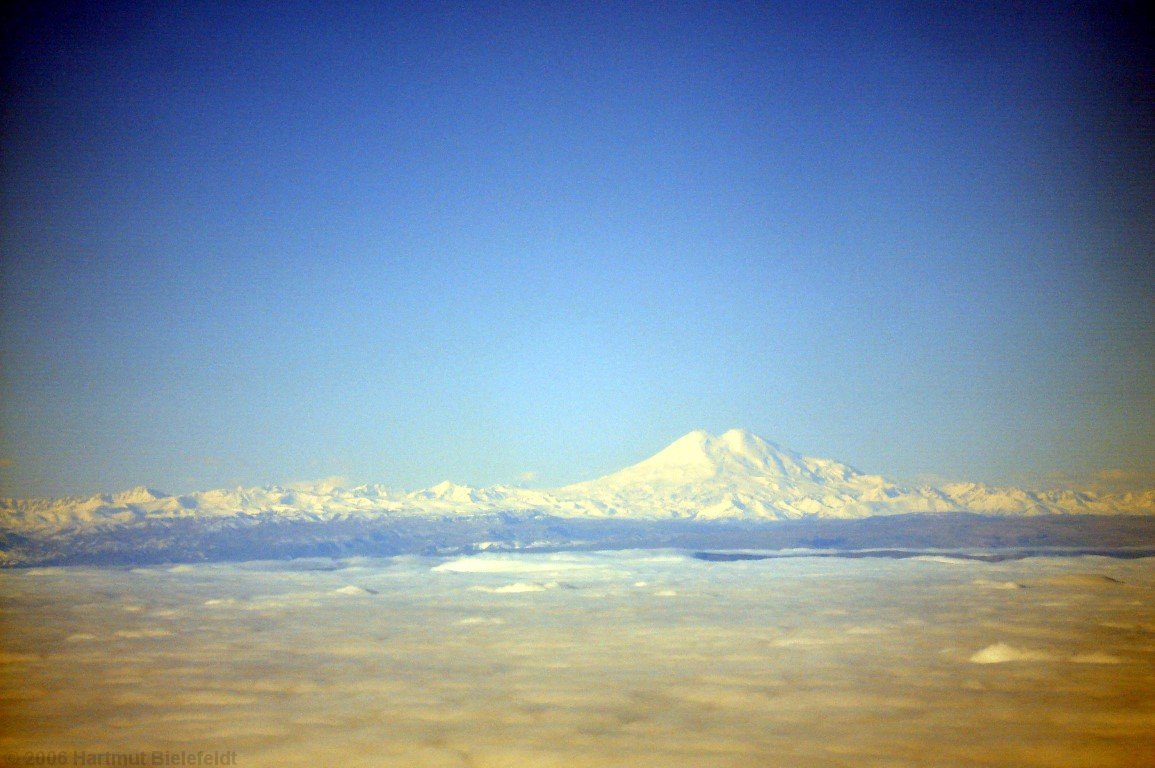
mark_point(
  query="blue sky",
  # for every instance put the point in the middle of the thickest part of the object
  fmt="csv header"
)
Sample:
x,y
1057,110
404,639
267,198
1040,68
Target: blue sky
x,y
249,243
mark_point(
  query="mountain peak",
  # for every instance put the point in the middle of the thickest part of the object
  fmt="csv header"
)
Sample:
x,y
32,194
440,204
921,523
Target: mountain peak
x,y
746,443
700,456
138,495
689,450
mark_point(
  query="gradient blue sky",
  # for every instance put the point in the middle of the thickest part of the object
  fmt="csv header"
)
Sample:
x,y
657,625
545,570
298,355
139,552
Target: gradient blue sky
x,y
251,243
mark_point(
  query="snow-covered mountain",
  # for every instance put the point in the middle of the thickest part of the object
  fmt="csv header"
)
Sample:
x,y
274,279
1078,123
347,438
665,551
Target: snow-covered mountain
x,y
738,474
700,476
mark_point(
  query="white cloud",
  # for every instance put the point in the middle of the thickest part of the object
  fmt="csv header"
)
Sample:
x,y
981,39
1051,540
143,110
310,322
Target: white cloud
x,y
752,661
999,653
324,485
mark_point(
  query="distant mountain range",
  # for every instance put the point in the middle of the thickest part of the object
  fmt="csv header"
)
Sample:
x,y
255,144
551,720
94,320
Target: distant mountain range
x,y
685,494
735,475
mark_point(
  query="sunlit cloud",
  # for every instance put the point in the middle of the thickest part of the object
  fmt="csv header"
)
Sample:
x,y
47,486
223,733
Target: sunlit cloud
x,y
323,485
1111,480
1127,477
488,661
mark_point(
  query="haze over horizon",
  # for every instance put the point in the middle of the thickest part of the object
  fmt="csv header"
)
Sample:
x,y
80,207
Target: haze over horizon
x,y
261,244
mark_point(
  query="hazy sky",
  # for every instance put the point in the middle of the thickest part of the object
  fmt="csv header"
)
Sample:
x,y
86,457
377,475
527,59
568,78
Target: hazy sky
x,y
249,243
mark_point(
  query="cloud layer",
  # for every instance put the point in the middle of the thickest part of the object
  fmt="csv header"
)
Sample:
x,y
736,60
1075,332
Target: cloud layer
x,y
598,659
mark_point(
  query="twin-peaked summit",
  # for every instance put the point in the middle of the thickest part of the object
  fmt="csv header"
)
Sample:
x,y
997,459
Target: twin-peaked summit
x,y
702,457
699,476
738,474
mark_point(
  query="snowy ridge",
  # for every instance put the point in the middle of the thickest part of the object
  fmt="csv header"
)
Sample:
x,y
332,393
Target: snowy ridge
x,y
699,476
